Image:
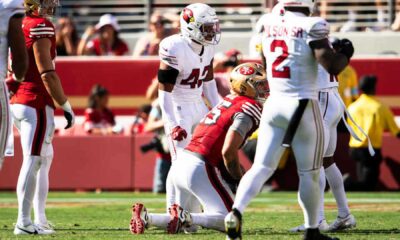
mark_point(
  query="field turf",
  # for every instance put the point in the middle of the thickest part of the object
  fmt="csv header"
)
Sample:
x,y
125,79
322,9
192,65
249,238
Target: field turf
x,y
106,216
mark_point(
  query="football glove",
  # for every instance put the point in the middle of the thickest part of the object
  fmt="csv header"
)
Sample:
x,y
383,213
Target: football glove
x,y
68,114
178,133
346,48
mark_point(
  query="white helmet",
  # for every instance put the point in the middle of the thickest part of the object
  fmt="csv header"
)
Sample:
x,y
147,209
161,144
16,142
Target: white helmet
x,y
310,4
200,23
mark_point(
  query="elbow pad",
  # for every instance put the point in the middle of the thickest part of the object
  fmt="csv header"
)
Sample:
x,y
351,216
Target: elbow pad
x,y
167,76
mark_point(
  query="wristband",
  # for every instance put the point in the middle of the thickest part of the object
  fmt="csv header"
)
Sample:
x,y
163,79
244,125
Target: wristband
x,y
18,79
67,107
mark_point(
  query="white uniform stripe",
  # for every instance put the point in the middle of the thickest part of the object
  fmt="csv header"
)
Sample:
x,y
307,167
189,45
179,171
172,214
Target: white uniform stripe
x,y
254,111
40,33
41,28
253,108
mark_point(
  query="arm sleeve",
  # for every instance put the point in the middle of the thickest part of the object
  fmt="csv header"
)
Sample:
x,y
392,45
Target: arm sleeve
x,y
169,54
242,124
211,92
167,108
319,30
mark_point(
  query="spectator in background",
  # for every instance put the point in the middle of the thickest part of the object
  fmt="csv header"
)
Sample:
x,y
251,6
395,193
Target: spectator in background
x,y
374,117
99,119
141,119
223,66
147,45
107,43
66,37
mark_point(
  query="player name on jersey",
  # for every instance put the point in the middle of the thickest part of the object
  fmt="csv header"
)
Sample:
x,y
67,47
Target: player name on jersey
x,y
283,31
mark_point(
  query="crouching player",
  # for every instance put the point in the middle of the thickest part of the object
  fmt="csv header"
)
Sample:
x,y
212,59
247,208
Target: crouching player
x,y
213,149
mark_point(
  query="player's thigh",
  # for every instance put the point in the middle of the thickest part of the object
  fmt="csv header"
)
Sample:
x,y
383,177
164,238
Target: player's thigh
x,y
27,119
331,120
273,123
212,191
308,142
5,126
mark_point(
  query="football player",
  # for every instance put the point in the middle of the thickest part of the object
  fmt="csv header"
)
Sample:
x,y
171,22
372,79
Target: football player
x,y
11,14
293,44
332,108
213,148
185,73
33,113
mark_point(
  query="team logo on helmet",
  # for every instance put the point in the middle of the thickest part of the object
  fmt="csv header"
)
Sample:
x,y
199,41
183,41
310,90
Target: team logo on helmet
x,y
188,15
246,70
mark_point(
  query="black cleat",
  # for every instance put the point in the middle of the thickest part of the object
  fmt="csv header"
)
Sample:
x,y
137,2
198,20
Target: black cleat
x,y
233,225
314,234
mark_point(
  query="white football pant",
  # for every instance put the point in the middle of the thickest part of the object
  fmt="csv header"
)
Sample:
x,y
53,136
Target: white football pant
x,y
36,127
188,115
5,121
307,146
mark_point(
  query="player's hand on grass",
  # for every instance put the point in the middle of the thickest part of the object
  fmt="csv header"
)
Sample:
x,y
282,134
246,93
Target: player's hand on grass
x,y
178,133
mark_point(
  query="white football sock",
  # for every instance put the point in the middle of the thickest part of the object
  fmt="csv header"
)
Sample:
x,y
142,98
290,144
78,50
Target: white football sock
x,y
309,196
250,185
207,220
26,188
322,185
42,190
335,180
160,220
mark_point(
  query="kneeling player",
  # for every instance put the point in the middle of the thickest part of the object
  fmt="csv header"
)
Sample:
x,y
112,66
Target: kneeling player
x,y
213,149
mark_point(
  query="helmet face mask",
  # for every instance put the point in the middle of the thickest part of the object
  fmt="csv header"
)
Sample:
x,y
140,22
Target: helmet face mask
x,y
249,79
41,8
199,22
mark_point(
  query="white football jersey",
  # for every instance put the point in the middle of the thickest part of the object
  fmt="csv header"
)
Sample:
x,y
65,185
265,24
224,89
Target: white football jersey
x,y
325,79
176,52
8,8
291,66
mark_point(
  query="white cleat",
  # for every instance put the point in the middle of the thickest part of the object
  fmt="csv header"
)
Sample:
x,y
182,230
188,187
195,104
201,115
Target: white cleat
x,y
323,227
48,227
31,229
343,223
233,225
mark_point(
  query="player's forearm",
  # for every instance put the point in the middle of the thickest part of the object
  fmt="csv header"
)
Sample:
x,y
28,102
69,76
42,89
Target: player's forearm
x,y
211,92
16,41
167,107
53,85
231,161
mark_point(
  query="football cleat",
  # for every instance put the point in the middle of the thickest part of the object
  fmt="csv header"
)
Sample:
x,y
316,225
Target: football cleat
x,y
48,227
314,234
139,219
31,229
323,226
343,223
233,225
178,218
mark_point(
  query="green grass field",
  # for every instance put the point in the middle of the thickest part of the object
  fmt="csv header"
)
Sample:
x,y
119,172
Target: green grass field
x,y
107,215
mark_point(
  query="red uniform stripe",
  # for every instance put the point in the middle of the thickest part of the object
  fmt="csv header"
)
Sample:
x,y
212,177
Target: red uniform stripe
x,y
219,187
39,132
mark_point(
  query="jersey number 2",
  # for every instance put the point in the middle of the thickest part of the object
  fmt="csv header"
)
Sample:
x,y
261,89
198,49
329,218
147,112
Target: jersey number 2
x,y
285,73
194,78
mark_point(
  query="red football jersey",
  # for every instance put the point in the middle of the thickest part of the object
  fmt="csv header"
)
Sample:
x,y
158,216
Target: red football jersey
x,y
209,136
32,91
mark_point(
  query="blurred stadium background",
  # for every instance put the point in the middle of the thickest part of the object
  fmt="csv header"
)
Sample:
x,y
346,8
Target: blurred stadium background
x,y
115,162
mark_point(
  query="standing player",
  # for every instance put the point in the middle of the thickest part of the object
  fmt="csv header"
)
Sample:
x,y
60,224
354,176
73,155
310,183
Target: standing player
x,y
214,146
33,112
293,45
185,73
332,111
11,15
